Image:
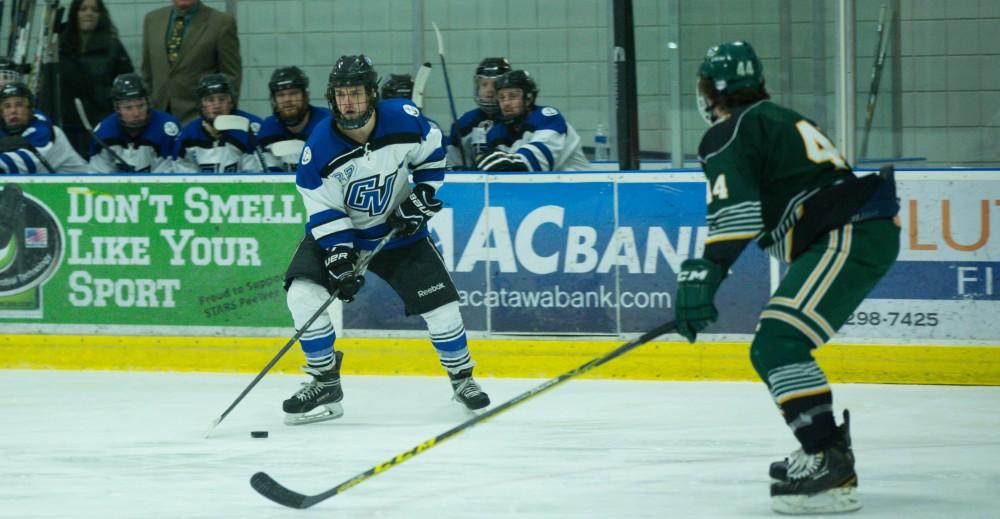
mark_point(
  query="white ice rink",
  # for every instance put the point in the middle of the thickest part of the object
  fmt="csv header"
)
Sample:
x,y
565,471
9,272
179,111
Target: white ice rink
x,y
131,445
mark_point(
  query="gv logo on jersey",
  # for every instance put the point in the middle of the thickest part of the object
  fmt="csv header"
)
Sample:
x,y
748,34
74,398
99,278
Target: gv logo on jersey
x,y
367,195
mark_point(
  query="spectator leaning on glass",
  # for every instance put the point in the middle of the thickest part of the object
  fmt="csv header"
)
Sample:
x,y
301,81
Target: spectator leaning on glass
x,y
90,57
29,142
529,137
141,139
180,44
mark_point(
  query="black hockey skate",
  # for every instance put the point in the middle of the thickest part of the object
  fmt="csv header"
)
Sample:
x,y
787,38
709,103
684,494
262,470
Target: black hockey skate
x,y
467,391
323,392
820,483
779,469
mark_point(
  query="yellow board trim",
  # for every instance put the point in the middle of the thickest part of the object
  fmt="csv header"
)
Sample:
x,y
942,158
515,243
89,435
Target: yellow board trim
x,y
523,358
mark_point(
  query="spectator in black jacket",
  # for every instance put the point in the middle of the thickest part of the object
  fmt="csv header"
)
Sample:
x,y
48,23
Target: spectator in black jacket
x,y
90,57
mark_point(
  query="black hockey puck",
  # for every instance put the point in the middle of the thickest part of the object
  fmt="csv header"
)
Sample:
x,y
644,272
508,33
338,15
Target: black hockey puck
x,y
258,434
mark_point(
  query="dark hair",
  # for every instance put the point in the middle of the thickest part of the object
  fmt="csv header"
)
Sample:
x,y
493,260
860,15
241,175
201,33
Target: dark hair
x,y
733,101
71,30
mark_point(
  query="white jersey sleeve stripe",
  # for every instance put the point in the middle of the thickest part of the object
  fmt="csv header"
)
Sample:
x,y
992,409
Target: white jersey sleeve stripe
x,y
9,165
29,159
339,225
546,154
529,158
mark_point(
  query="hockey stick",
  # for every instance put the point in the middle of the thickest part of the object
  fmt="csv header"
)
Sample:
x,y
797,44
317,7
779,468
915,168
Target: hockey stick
x,y
41,158
271,489
16,142
238,122
447,84
419,84
288,152
1,12
359,270
24,31
288,148
884,29
86,124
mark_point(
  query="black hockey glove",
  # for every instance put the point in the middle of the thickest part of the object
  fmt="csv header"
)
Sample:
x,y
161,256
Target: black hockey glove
x,y
695,307
414,212
503,161
340,263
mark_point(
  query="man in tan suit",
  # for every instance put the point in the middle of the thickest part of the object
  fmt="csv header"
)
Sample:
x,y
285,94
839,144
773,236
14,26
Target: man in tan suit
x,y
180,44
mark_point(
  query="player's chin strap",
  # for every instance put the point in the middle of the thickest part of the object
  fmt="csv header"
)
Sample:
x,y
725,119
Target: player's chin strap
x,y
359,270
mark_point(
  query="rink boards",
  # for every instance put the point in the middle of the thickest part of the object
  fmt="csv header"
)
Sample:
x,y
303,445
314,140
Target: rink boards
x,y
184,273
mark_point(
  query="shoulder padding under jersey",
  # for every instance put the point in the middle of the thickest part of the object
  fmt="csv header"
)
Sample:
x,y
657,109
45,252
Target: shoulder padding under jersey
x,y
545,118
271,131
399,116
467,122
39,132
721,134
322,147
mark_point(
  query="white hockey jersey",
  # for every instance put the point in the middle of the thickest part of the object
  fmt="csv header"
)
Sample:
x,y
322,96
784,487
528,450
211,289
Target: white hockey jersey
x,y
152,151
544,138
468,138
350,189
197,151
42,142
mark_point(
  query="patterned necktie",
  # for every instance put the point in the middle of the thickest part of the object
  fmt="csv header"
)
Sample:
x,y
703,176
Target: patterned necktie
x,y
174,43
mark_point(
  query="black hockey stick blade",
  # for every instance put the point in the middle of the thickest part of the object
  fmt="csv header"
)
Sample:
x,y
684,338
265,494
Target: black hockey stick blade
x,y
266,486
274,491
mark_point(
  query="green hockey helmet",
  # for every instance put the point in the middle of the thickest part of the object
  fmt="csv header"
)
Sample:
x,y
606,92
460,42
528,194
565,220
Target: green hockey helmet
x,y
730,66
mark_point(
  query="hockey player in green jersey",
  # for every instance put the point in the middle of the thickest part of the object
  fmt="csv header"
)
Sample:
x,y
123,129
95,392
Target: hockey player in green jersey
x,y
773,177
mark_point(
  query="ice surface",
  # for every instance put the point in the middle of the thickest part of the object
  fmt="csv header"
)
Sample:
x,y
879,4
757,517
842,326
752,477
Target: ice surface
x,y
129,444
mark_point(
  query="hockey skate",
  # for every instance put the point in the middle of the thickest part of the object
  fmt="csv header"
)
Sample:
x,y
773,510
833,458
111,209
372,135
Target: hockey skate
x,y
779,469
820,483
467,391
322,394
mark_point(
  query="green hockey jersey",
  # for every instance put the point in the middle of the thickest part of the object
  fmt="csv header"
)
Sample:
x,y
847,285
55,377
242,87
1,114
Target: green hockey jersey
x,y
762,164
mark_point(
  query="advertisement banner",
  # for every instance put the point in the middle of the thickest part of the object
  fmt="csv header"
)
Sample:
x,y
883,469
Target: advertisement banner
x,y
533,256
945,283
530,254
181,253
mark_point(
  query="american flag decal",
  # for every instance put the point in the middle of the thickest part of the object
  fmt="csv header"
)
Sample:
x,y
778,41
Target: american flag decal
x,y
36,237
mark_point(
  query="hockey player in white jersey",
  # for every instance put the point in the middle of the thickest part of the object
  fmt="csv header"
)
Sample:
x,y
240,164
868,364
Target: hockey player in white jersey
x,y
293,119
354,179
530,137
29,142
467,141
200,147
141,136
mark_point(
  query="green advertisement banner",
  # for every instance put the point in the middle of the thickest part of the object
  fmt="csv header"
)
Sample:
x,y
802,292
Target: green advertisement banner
x,y
113,251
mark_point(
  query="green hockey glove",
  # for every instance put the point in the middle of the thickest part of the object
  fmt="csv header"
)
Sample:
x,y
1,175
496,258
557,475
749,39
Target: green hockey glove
x,y
694,306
